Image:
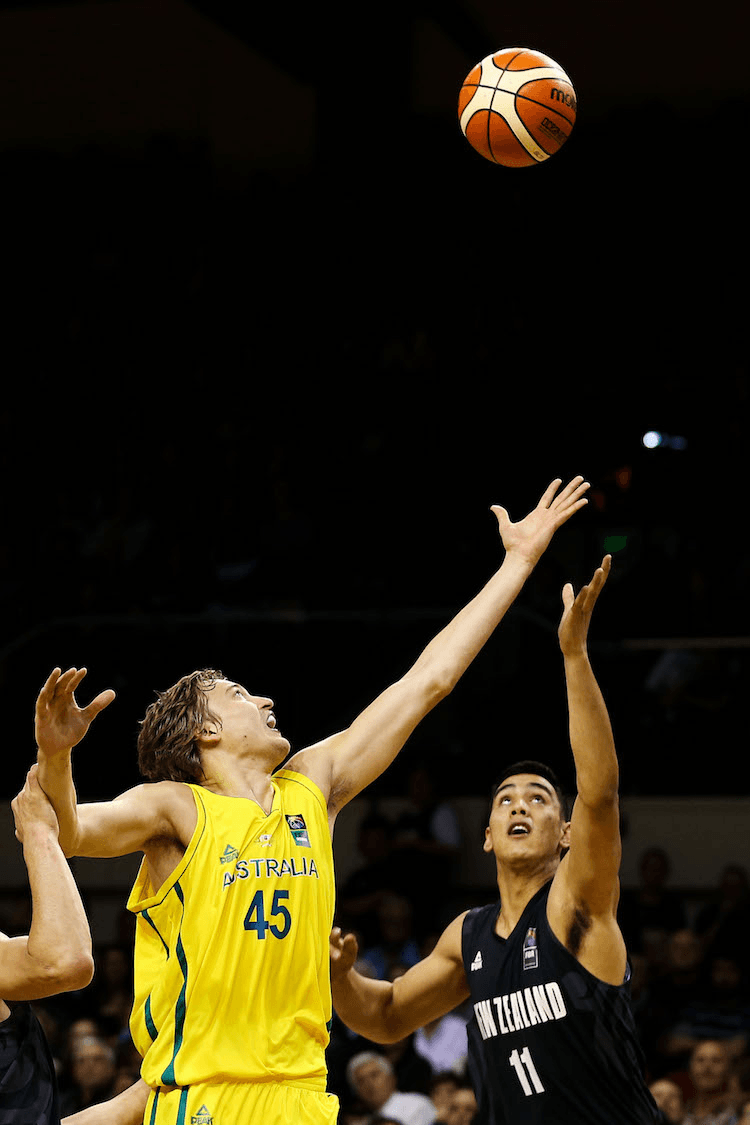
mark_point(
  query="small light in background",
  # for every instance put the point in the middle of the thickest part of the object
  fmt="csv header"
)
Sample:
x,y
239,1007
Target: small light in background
x,y
652,439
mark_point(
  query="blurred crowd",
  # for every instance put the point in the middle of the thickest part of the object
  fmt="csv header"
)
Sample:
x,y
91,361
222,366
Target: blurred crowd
x,y
690,964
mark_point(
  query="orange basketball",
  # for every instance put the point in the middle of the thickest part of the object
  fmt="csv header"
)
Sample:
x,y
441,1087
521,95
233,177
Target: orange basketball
x,y
517,107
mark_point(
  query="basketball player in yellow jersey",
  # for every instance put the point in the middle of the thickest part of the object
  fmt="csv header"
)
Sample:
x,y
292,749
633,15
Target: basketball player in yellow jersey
x,y
235,896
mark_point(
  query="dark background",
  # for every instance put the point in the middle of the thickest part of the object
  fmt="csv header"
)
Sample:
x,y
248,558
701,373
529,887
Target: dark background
x,y
275,337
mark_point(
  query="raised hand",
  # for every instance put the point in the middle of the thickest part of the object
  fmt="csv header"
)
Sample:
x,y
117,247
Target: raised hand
x,y
59,722
530,537
343,949
574,624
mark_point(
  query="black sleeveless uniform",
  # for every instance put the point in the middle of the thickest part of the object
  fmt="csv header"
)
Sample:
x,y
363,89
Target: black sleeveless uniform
x,y
28,1086
548,1042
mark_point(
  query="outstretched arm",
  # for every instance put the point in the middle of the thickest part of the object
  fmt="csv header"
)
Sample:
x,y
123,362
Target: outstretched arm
x,y
589,875
385,1012
56,955
347,762
126,1109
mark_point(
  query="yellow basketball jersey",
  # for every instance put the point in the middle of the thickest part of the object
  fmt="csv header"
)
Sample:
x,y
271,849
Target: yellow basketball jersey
x,y
232,978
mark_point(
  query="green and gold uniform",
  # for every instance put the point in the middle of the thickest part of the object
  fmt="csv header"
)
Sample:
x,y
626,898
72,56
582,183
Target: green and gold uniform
x,y
232,981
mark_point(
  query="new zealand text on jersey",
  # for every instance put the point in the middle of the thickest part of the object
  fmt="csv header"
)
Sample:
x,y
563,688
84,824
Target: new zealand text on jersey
x,y
517,1010
270,868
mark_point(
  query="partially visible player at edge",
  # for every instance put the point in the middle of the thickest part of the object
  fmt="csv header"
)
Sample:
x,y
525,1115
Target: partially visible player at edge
x,y
234,899
55,957
552,1038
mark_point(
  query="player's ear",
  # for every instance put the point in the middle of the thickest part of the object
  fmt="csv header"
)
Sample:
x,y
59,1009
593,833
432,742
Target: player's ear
x,y
487,845
208,735
565,834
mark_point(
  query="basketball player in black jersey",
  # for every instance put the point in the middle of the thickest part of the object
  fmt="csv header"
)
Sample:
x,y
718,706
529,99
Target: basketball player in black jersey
x,y
552,1037
55,957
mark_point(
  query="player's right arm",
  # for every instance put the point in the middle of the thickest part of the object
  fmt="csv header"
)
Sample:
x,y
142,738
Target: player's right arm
x,y
164,810
56,955
386,1012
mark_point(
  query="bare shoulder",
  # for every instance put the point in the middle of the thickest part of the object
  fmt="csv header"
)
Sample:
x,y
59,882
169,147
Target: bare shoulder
x,y
592,936
450,942
315,762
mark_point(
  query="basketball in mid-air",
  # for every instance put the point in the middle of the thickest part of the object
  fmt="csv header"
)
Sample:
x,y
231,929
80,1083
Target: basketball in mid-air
x,y
517,107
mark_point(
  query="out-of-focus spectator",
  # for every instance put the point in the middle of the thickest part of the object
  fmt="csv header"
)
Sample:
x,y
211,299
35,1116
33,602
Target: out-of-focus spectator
x,y
427,839
463,1106
444,1043
649,913
373,1079
363,891
669,1098
93,1075
724,923
396,943
669,993
441,1089
709,1071
743,1112
718,1009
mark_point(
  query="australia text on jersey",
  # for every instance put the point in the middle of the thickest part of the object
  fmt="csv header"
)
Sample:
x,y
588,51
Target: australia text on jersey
x,y
539,1003
270,868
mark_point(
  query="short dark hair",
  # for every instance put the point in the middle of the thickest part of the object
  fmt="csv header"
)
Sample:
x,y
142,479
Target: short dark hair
x,y
168,747
528,765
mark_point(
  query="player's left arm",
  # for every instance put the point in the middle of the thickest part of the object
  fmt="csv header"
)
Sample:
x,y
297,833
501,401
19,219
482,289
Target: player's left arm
x,y
344,764
587,886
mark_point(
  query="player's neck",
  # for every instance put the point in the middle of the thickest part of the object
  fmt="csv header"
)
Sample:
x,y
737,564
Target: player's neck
x,y
517,887
229,776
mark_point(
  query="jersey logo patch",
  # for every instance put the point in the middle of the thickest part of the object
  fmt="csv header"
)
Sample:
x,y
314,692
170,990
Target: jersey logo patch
x,y
477,962
229,855
265,840
298,828
530,951
202,1117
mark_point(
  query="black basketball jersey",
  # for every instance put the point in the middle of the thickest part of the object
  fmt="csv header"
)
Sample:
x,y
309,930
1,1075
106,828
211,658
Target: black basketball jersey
x,y
28,1086
548,1042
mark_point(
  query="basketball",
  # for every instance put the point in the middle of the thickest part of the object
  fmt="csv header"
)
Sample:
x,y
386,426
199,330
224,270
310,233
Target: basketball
x,y
517,107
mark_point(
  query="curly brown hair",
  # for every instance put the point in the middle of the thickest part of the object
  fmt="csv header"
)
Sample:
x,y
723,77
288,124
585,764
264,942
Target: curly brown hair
x,y
167,744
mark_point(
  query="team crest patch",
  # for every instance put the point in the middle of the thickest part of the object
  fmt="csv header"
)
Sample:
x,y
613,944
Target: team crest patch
x,y
265,840
298,828
202,1117
229,855
530,951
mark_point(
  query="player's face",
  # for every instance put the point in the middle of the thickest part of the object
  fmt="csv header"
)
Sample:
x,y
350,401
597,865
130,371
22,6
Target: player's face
x,y
526,820
247,721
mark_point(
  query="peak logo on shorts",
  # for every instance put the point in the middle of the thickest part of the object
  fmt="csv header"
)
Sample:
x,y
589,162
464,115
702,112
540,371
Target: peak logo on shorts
x,y
298,828
202,1117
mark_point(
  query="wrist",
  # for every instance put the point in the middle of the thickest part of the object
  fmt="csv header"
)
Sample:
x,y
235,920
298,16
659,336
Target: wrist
x,y
39,832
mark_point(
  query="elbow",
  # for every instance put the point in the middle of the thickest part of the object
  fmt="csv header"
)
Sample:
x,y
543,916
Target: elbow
x,y
72,973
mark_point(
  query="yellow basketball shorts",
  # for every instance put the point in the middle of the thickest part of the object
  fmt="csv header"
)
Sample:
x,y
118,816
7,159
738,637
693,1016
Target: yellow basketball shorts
x,y
241,1103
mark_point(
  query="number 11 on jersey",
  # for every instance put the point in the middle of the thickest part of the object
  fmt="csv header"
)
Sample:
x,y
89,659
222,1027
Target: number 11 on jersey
x,y
523,1065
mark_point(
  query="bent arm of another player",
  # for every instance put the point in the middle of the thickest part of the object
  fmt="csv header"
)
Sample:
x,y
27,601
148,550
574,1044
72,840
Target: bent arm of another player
x,y
56,955
386,1012
346,763
125,1109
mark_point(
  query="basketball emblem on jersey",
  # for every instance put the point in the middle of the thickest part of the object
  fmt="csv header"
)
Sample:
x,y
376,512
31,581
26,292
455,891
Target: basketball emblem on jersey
x,y
265,839
202,1117
530,951
298,828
